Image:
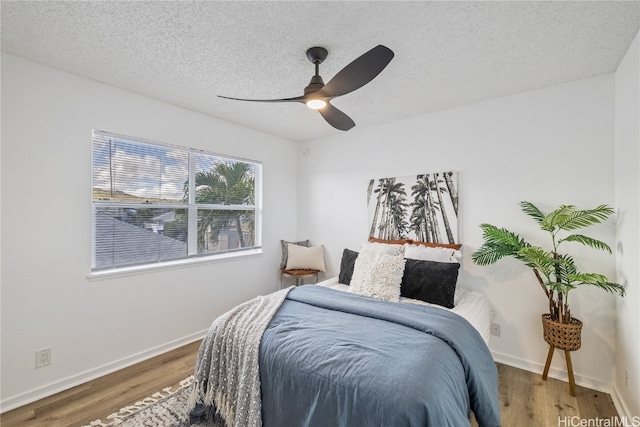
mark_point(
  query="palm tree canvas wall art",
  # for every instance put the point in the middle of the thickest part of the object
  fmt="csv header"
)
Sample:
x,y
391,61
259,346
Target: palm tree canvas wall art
x,y
421,207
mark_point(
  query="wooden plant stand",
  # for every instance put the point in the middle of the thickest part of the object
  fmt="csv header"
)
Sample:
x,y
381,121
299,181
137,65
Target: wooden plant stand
x,y
563,336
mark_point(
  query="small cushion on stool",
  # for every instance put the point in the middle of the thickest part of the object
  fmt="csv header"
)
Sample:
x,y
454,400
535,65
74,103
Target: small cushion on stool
x,y
301,258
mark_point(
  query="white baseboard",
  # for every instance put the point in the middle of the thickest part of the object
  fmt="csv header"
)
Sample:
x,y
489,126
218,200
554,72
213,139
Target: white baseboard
x,y
83,377
621,404
556,373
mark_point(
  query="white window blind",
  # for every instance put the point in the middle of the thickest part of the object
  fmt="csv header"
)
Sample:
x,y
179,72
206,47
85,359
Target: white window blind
x,y
154,202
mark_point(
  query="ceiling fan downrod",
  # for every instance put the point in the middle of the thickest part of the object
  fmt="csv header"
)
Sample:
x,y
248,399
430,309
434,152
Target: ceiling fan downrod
x,y
316,55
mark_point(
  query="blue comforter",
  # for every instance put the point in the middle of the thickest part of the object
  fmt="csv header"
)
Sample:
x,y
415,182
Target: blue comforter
x,y
334,359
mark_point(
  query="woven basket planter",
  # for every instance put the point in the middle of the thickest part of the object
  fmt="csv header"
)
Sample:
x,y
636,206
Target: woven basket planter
x,y
564,336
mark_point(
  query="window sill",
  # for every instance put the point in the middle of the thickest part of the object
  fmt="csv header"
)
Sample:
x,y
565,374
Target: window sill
x,y
171,265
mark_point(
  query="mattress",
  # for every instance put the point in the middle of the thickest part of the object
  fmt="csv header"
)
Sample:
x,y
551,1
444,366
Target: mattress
x,y
470,304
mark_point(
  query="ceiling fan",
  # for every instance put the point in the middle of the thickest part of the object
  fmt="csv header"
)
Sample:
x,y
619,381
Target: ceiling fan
x,y
317,95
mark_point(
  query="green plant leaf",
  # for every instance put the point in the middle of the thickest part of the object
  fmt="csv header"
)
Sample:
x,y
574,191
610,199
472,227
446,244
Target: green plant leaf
x,y
588,241
558,216
583,218
598,280
564,269
531,210
539,259
498,243
488,254
493,234
561,287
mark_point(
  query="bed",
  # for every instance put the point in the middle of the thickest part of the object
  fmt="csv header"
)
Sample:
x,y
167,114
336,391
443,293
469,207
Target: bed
x,y
468,303
323,355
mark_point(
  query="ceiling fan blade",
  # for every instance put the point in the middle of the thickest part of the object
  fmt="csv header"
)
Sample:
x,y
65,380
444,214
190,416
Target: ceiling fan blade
x,y
296,99
336,118
359,72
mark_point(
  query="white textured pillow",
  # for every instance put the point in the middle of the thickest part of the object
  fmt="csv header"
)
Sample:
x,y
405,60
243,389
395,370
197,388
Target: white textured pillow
x,y
431,254
378,275
303,258
386,248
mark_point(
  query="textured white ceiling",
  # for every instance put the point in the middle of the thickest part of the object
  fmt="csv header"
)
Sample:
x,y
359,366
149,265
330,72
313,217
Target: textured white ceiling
x,y
447,54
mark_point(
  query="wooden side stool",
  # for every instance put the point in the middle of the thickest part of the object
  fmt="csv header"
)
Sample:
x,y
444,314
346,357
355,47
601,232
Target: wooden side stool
x,y
299,276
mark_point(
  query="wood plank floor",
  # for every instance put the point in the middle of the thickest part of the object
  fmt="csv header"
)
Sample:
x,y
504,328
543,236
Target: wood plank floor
x,y
103,396
525,400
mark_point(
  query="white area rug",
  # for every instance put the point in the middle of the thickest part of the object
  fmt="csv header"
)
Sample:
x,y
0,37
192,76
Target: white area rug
x,y
163,409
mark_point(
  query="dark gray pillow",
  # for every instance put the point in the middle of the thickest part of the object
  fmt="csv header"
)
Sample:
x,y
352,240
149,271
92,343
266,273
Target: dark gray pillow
x,y
346,266
285,251
430,281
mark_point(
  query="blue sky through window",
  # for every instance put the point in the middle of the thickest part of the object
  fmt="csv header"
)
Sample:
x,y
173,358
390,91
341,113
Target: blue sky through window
x,y
140,170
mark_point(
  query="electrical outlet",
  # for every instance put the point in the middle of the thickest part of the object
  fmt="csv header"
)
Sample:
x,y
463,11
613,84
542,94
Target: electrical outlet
x,y
43,358
626,377
495,329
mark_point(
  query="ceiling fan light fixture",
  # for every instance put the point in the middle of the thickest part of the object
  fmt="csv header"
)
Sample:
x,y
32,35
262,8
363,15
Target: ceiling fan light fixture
x,y
316,104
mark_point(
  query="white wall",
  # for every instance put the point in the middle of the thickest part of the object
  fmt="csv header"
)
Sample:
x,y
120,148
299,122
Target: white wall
x,y
549,146
627,161
47,301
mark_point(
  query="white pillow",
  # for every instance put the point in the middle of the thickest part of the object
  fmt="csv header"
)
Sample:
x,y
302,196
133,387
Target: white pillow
x,y
386,248
431,254
303,258
285,252
378,275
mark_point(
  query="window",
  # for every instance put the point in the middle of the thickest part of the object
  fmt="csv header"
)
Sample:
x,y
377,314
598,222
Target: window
x,y
156,203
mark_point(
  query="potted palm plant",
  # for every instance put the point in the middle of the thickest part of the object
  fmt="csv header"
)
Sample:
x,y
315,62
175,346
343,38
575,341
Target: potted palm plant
x,y
555,272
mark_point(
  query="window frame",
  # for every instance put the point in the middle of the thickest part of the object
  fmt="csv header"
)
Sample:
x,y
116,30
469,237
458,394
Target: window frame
x,y
193,257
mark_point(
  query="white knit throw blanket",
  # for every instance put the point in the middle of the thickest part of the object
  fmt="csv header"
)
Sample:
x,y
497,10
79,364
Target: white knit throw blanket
x,y
227,371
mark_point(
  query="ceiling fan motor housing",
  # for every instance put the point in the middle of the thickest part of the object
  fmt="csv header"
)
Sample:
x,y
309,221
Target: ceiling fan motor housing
x,y
315,84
